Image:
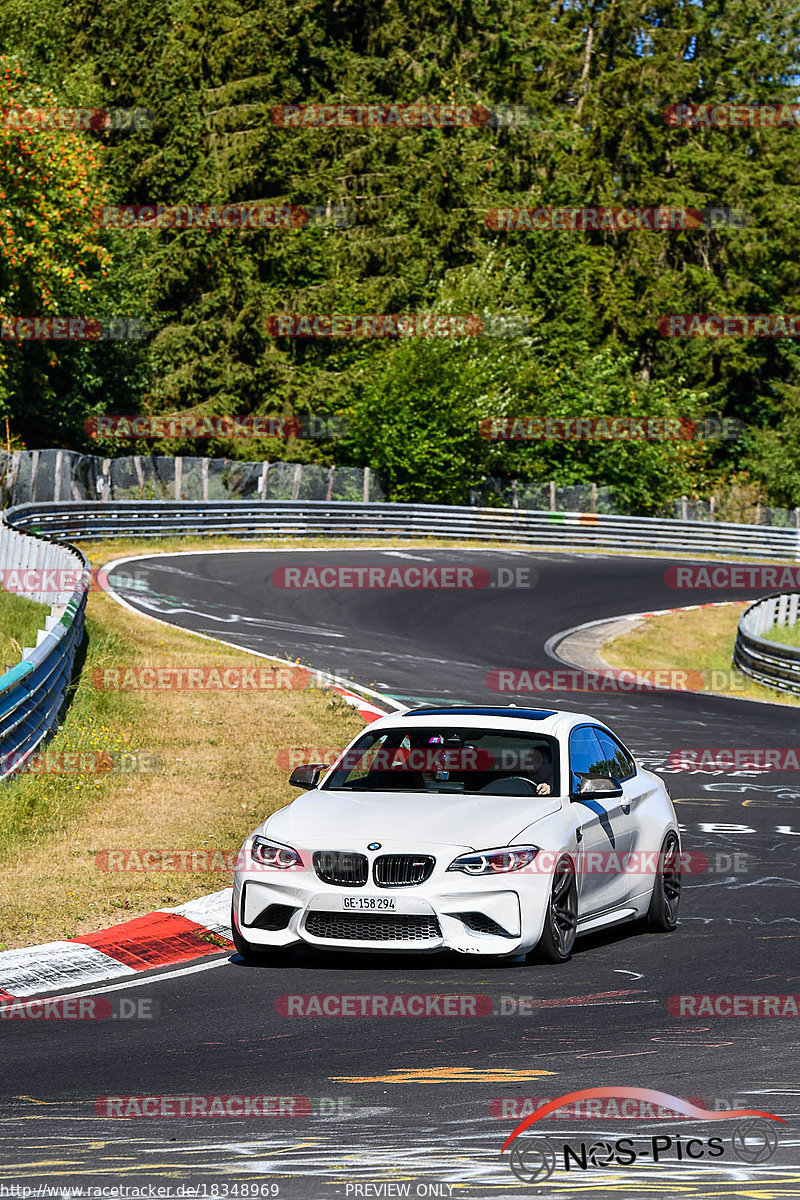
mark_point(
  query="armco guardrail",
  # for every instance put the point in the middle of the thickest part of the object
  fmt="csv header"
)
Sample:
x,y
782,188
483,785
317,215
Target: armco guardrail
x,y
767,661
317,518
32,693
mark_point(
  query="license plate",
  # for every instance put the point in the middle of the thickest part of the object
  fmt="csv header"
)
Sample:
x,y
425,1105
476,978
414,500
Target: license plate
x,y
373,903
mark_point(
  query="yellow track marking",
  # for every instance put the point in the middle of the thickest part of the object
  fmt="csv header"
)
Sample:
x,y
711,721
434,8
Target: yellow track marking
x,y
446,1075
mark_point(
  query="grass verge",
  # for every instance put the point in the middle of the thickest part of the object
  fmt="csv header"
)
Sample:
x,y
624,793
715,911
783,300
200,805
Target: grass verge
x,y
218,777
20,621
699,640
786,635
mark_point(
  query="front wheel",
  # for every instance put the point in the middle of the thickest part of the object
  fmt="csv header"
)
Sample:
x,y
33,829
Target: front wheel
x,y
662,915
561,920
252,955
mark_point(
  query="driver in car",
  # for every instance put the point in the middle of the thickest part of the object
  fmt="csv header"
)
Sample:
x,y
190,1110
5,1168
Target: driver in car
x,y
539,769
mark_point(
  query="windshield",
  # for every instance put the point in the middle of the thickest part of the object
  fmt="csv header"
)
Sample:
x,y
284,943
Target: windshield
x,y
449,759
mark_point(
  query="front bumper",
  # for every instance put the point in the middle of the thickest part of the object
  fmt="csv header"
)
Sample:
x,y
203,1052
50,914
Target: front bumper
x,y
492,915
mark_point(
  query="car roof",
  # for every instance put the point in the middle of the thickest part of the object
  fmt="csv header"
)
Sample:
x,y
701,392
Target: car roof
x,y
530,714
547,721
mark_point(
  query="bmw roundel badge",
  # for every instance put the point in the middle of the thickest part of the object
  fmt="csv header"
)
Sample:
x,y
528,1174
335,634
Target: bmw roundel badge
x,y
374,846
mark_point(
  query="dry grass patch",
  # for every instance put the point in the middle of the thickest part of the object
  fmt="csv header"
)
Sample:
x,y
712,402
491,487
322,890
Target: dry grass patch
x,y
217,779
698,640
20,621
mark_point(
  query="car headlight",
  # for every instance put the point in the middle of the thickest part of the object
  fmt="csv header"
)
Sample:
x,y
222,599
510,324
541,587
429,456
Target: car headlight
x,y
272,854
495,862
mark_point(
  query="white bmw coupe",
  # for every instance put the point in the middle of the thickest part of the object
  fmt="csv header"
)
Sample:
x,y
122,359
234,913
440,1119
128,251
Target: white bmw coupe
x,y
494,831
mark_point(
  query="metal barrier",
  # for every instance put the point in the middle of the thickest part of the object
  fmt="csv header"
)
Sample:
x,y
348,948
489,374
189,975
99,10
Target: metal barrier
x,y
90,520
32,693
766,661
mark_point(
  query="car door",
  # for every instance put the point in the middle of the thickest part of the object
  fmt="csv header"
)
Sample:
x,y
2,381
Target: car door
x,y
637,790
605,828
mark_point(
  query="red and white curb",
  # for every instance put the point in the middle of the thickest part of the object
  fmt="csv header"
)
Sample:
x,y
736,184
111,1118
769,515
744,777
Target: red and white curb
x,y
170,935
369,712
662,612
194,930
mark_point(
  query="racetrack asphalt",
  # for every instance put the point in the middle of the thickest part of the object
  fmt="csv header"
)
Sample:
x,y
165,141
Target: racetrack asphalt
x,y
408,1100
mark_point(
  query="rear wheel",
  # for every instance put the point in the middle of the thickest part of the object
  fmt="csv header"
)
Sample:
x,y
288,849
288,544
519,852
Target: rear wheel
x,y
662,915
561,920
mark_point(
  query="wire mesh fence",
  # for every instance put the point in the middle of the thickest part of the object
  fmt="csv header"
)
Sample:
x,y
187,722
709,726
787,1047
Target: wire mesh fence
x,y
519,493
59,475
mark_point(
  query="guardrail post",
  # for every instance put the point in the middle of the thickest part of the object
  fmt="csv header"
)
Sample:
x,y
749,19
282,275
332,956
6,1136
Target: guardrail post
x,y
684,508
298,474
552,495
331,477
367,474
34,471
262,485
515,493
204,476
137,466
178,476
59,472
593,498
711,505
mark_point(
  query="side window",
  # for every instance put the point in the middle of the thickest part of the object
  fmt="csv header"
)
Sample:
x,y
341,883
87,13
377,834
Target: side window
x,y
620,763
585,755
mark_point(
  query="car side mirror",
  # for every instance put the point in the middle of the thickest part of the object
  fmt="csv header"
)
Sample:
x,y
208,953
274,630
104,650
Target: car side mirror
x,y
605,787
308,776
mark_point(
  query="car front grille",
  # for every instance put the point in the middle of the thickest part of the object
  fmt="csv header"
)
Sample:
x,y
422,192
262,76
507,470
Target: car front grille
x,y
363,927
402,870
341,867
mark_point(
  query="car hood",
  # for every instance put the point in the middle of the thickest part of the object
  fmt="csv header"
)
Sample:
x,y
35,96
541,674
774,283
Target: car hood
x,y
323,819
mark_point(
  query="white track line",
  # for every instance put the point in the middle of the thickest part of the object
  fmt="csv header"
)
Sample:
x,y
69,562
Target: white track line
x,y
338,679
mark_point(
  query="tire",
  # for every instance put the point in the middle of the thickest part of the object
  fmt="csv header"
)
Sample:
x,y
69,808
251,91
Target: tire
x,y
662,915
561,919
252,955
